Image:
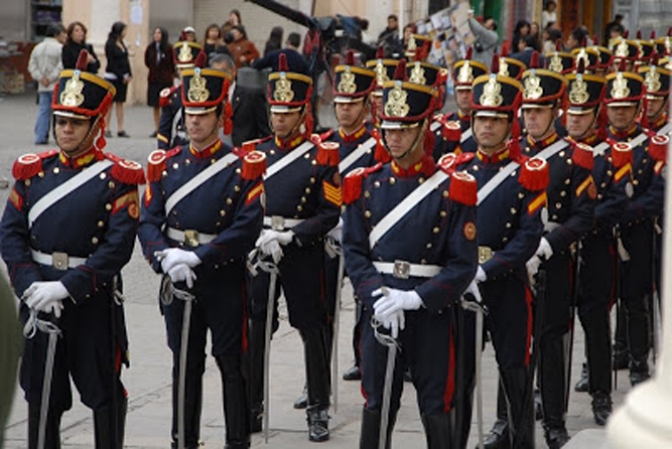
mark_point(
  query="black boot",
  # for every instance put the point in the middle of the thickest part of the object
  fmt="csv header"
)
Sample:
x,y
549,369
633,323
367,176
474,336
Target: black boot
x,y
552,382
521,405
105,423
638,340
437,431
317,374
601,407
370,433
620,351
256,347
352,373
302,401
52,438
582,385
235,403
193,401
499,434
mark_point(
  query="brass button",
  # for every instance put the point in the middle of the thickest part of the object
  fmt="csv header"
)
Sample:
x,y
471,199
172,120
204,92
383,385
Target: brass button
x,y
110,184
222,212
101,223
94,240
108,206
176,166
367,214
56,170
103,176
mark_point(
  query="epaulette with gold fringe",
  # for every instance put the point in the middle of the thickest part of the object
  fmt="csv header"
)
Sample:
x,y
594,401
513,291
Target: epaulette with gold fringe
x,y
126,171
534,174
156,163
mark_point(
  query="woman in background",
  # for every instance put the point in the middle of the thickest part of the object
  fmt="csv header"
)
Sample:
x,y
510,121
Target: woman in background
x,y
274,41
118,72
212,39
159,61
74,44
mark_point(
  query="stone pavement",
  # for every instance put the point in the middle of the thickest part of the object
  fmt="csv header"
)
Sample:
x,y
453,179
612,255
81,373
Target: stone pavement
x,y
148,379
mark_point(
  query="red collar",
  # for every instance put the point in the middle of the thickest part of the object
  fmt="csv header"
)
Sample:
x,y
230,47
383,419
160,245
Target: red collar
x,y
207,151
287,145
495,158
543,143
425,166
660,122
83,159
349,138
590,140
621,135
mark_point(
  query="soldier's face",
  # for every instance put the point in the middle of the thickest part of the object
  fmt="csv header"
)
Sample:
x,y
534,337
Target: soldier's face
x,y
655,107
463,100
490,132
621,117
349,114
71,132
202,128
378,102
580,125
285,123
538,121
399,141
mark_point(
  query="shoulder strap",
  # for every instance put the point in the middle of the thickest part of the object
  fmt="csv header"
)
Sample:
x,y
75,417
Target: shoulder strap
x,y
356,154
405,206
198,180
289,158
65,189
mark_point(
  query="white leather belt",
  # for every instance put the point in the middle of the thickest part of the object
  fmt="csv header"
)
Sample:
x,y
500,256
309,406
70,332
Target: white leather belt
x,y
403,270
279,223
58,260
189,236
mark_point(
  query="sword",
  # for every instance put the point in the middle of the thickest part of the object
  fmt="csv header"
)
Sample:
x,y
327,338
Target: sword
x,y
569,337
30,329
332,247
480,310
168,291
272,269
392,349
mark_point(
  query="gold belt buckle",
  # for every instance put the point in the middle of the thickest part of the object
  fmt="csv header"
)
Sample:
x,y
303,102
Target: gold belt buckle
x,y
277,223
191,237
401,270
59,260
485,253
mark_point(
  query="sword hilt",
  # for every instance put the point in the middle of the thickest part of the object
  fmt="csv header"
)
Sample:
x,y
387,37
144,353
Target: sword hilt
x,y
473,305
383,339
34,323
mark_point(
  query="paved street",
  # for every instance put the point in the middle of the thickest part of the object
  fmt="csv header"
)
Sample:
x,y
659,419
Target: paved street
x,y
148,379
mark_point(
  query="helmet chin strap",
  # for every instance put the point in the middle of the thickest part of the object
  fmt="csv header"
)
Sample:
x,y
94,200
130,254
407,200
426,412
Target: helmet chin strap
x,y
360,116
412,148
551,123
81,148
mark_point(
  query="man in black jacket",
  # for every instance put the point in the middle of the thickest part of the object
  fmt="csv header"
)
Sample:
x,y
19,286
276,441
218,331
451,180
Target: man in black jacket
x,y
250,118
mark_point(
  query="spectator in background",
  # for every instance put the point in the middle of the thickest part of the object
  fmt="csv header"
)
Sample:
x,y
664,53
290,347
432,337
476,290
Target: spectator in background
x,y
45,66
576,38
295,60
10,351
615,32
522,29
485,44
118,72
549,13
616,23
526,45
250,117
391,31
212,38
243,50
160,62
188,34
550,37
234,20
534,32
74,44
274,41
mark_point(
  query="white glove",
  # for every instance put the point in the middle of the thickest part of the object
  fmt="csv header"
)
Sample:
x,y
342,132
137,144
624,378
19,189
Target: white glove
x,y
272,248
474,290
46,297
182,273
395,322
267,235
336,232
544,249
480,275
393,301
174,256
533,265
